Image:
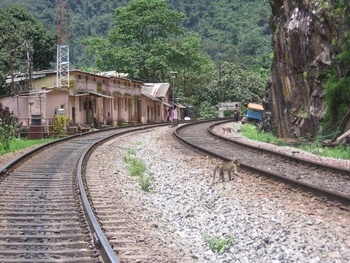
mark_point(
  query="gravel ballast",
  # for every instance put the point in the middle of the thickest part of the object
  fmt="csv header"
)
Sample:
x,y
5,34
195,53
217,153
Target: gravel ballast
x,y
266,224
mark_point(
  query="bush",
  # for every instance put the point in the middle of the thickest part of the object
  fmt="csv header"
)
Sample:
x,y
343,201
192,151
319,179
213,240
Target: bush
x,y
60,125
9,127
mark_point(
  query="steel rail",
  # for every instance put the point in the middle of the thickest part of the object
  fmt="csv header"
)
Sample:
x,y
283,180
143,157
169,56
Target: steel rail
x,y
270,151
99,239
338,199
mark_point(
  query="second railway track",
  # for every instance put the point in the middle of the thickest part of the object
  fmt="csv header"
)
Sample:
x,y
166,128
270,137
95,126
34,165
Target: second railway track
x,y
327,182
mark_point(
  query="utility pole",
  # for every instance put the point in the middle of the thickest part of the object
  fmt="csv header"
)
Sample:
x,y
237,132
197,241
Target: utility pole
x,y
29,64
173,76
11,56
62,74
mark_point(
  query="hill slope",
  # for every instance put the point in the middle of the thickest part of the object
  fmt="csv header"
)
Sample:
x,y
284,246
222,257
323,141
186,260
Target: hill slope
x,y
232,30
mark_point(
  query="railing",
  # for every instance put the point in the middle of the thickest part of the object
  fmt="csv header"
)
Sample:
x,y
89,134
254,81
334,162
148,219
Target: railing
x,y
36,127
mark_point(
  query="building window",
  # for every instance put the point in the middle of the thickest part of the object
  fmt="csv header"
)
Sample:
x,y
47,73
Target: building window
x,y
99,87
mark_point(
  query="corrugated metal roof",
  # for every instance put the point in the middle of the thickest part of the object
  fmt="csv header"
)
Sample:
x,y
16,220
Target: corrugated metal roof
x,y
143,92
148,95
17,79
158,90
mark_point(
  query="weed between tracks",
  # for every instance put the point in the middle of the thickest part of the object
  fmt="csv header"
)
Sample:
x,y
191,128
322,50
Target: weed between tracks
x,y
218,245
137,168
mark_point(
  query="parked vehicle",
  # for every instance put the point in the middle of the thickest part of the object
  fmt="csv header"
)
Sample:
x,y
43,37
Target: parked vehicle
x,y
254,114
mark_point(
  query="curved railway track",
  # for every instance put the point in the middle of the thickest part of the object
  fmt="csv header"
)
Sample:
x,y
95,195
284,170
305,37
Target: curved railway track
x,y
328,183
45,212
51,213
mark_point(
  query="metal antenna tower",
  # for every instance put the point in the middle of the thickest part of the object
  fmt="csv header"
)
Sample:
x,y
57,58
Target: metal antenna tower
x,y
62,78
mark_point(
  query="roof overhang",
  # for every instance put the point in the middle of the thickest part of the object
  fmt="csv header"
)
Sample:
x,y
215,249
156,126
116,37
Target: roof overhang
x,y
180,106
88,92
167,104
34,93
146,94
18,79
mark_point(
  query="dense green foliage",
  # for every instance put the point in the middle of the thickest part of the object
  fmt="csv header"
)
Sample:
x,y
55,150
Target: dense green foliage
x,y
206,42
337,91
140,46
153,44
24,43
234,31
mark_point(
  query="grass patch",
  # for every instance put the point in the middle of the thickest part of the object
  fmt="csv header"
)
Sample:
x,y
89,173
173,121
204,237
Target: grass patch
x,y
132,152
217,244
340,152
251,132
19,144
137,168
146,182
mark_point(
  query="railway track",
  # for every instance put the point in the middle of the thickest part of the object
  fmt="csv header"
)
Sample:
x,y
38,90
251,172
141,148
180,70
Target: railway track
x,y
327,183
45,212
52,213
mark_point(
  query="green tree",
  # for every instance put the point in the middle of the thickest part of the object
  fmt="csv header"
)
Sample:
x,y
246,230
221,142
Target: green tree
x,y
232,83
148,42
139,43
23,40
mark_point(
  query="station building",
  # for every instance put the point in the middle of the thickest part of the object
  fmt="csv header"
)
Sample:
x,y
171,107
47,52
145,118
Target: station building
x,y
99,100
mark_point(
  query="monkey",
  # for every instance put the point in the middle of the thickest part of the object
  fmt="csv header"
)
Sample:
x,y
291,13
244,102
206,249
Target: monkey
x,y
227,129
229,167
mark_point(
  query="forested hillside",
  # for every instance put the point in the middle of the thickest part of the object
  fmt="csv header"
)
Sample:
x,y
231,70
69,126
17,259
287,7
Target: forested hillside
x,y
221,49
231,30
